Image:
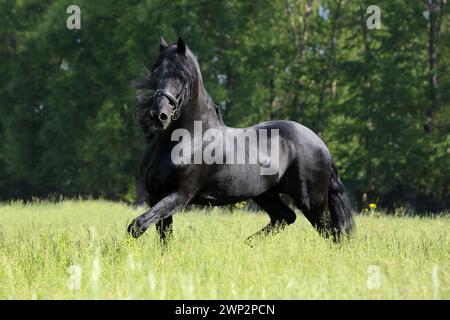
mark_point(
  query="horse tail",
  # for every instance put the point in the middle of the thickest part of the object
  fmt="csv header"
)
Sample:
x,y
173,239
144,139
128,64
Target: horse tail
x,y
342,222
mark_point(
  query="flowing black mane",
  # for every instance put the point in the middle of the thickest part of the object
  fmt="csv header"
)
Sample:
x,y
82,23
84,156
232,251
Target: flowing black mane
x,y
181,65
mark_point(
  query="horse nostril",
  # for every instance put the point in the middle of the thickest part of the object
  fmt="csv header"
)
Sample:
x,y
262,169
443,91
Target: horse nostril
x,y
163,117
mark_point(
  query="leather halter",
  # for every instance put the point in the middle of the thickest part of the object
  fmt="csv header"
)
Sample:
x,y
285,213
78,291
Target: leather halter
x,y
177,102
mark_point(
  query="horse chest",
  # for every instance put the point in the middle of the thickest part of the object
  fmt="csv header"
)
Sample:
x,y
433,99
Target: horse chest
x,y
159,175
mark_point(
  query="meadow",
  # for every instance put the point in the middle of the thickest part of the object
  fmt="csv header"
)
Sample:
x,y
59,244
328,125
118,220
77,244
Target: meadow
x,y
79,250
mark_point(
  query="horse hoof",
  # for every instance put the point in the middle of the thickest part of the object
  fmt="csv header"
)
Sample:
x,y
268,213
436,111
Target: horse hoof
x,y
134,229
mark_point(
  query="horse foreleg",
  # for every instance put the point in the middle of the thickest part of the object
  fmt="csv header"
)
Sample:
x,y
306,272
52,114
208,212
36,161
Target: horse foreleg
x,y
162,210
165,229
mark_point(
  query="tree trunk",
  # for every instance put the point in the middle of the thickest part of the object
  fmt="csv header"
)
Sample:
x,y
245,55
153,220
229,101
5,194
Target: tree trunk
x,y
327,81
300,40
436,9
367,99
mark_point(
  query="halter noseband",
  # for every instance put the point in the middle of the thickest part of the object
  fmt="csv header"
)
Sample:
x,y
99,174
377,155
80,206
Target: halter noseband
x,y
177,102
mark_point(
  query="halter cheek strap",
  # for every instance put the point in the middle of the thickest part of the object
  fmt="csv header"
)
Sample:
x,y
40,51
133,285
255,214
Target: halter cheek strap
x,y
177,102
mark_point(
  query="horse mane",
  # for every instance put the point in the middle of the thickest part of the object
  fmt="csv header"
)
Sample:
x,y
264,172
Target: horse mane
x,y
216,108
181,65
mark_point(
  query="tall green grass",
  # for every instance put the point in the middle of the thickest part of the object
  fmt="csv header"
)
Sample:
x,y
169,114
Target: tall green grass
x,y
79,250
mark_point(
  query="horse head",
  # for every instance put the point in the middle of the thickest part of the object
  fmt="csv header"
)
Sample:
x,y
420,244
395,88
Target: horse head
x,y
168,87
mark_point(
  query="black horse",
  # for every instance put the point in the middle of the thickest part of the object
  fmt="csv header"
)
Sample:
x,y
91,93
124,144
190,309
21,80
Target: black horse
x,y
304,168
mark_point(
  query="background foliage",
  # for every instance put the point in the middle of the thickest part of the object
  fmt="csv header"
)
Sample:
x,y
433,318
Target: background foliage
x,y
380,99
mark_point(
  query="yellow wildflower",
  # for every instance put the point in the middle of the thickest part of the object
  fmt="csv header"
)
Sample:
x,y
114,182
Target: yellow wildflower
x,y
372,206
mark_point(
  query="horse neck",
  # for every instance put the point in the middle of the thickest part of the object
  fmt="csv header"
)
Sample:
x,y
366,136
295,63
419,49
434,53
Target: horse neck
x,y
201,108
205,109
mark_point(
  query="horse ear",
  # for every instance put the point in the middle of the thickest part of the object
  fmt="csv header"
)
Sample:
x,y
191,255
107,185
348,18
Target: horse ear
x,y
162,43
181,46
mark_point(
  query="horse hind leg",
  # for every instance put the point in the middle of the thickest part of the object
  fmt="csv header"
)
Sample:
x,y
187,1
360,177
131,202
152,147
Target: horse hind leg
x,y
280,215
319,217
315,209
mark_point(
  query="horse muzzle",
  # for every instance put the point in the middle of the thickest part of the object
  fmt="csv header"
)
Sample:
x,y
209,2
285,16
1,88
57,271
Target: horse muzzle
x,y
160,120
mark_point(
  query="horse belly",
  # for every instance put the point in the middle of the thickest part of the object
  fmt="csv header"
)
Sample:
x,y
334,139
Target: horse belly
x,y
236,183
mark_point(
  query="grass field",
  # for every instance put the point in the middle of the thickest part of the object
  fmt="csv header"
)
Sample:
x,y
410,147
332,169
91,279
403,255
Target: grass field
x,y
79,250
